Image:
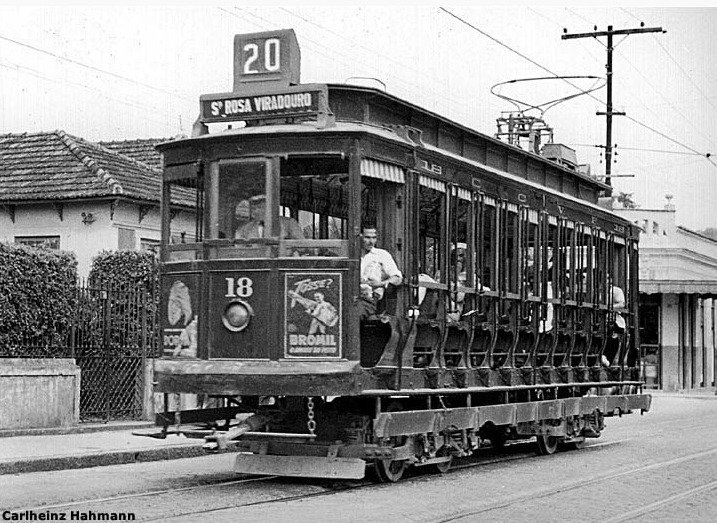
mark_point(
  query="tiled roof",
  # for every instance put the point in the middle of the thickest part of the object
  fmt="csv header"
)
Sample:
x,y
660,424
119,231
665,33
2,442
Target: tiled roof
x,y
56,165
141,150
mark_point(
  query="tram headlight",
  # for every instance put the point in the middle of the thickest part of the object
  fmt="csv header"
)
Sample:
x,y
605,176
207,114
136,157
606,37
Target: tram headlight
x,y
237,315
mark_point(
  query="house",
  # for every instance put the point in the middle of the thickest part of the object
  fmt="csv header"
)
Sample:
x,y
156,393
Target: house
x,y
71,194
678,287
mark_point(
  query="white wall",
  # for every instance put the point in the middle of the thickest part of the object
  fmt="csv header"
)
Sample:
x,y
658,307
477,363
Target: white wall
x,y
86,240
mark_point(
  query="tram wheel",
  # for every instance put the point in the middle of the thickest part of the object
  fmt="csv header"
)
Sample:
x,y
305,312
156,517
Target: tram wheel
x,y
443,467
390,471
546,445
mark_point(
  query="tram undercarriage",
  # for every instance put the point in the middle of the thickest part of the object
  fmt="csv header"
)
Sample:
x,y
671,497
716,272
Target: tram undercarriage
x,y
337,437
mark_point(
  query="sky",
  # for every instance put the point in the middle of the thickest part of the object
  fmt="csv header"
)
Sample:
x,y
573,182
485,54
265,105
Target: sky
x,y
137,71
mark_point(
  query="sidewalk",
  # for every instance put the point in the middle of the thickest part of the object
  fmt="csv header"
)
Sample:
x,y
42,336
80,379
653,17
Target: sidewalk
x,y
34,451
703,394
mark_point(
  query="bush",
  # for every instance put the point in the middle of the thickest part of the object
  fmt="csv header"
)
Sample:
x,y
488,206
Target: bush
x,y
125,271
37,298
131,279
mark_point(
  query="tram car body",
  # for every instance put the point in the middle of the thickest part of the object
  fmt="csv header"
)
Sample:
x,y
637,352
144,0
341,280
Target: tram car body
x,y
516,316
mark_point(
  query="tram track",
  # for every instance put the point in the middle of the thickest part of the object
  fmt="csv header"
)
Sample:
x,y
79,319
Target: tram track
x,y
652,507
517,452
514,452
583,482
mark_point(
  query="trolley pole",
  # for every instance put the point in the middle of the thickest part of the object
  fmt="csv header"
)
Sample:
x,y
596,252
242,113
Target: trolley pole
x,y
608,106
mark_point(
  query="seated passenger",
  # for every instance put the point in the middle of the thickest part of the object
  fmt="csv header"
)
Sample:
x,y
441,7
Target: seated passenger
x,y
427,298
253,229
546,325
378,271
618,302
459,297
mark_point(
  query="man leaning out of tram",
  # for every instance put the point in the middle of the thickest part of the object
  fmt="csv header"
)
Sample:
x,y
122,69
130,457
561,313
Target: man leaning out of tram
x,y
378,271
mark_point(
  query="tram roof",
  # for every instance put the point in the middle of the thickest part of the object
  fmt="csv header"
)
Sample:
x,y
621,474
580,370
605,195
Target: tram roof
x,y
405,109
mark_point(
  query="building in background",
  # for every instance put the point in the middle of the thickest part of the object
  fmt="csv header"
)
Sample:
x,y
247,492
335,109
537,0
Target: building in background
x,y
678,287
67,193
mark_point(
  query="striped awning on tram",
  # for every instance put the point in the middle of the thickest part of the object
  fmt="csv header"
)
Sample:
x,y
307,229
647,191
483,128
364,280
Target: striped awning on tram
x,y
432,183
463,194
382,170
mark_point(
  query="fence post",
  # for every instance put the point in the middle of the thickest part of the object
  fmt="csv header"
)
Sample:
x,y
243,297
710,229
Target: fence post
x,y
106,305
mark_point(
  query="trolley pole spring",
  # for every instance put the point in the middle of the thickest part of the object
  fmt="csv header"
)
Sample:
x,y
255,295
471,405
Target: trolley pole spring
x,y
311,424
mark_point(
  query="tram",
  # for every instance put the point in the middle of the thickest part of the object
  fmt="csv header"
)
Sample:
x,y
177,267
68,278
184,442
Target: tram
x,y
515,317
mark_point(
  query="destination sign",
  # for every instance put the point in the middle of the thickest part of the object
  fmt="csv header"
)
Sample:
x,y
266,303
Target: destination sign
x,y
261,106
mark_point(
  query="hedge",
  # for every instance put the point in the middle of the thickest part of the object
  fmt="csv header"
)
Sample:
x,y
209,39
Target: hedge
x,y
34,298
125,270
132,278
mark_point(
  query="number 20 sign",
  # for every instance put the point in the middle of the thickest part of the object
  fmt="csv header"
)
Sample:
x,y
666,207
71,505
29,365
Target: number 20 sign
x,y
271,56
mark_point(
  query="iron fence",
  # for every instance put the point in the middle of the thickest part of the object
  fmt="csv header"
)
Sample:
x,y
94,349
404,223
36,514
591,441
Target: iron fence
x,y
111,334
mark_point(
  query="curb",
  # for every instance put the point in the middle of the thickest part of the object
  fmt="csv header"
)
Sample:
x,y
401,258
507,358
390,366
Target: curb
x,y
708,395
122,457
76,429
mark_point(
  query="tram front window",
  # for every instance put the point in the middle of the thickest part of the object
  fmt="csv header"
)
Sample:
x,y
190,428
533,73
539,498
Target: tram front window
x,y
301,212
239,202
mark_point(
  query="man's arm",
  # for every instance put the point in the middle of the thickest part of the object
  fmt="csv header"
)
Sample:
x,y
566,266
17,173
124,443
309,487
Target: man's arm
x,y
393,275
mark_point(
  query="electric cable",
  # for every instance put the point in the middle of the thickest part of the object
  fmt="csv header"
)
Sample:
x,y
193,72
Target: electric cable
x,y
465,22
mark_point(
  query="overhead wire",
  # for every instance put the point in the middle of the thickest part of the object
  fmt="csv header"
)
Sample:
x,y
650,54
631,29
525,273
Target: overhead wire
x,y
93,68
465,22
36,74
348,60
645,78
679,66
635,149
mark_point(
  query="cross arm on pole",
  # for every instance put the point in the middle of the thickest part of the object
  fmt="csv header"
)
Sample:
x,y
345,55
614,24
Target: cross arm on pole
x,y
613,32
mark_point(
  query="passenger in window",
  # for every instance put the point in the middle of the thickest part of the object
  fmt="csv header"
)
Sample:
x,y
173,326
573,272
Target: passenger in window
x,y
457,261
617,296
378,271
253,229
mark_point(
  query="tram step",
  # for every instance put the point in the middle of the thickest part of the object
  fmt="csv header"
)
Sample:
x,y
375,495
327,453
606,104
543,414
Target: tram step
x,y
300,466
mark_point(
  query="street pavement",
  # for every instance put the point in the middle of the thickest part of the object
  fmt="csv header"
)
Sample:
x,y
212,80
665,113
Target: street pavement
x,y
658,467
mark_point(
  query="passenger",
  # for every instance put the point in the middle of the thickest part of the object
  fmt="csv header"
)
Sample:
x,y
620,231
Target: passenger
x,y
253,229
427,298
546,325
459,298
618,302
378,271
617,297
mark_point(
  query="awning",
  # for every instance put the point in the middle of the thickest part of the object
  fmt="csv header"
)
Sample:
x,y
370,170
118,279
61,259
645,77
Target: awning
x,y
432,183
679,287
461,193
382,170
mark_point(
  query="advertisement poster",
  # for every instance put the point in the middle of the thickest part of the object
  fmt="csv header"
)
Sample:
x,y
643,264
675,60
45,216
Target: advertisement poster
x,y
312,315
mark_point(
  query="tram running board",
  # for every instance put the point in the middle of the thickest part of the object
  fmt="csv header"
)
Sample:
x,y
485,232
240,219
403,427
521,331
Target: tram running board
x,y
300,466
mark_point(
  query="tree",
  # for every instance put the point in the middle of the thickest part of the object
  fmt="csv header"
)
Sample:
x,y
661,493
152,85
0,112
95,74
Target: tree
x,y
626,200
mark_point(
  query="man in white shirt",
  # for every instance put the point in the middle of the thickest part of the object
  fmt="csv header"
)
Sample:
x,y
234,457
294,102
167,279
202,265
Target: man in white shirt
x,y
378,271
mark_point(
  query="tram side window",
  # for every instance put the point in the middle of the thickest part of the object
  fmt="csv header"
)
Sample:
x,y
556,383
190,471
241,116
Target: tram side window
x,y
509,254
459,262
531,255
185,216
619,268
431,211
551,260
314,194
486,255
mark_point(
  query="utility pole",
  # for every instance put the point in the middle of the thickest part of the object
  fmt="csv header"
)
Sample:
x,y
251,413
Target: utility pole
x,y
608,109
